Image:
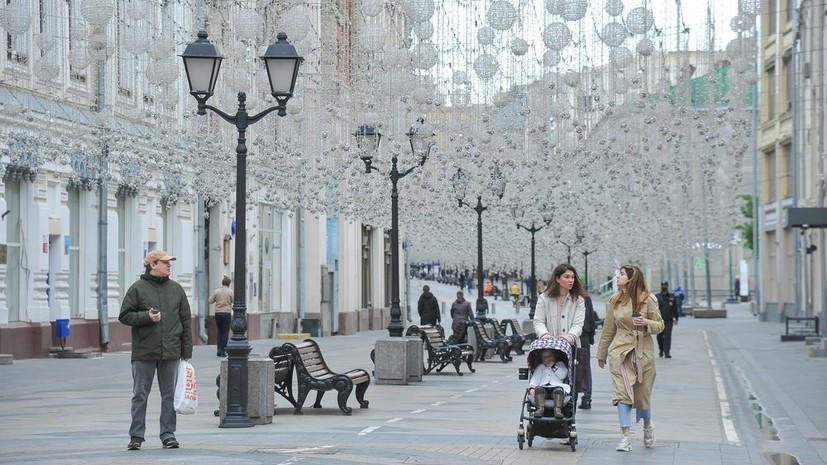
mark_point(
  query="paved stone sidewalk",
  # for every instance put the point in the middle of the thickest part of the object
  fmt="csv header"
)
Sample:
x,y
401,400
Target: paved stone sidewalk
x,y
77,411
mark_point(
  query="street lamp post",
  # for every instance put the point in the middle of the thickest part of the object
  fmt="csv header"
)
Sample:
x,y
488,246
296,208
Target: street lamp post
x,y
202,63
533,286
568,252
367,139
499,190
586,254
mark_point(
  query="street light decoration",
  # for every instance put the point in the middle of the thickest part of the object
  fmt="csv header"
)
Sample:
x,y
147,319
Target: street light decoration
x,y
368,139
202,63
282,63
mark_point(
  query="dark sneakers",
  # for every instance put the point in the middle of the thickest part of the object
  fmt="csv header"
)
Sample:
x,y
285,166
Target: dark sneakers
x,y
134,443
170,443
585,404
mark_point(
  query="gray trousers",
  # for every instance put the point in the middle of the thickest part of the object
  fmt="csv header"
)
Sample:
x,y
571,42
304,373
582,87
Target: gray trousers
x,y
143,372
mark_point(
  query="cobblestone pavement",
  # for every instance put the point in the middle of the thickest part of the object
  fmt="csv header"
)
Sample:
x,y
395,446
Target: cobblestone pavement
x,y
731,394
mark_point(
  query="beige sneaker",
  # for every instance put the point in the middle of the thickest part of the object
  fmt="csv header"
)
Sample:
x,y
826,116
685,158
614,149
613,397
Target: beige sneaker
x,y
649,436
624,445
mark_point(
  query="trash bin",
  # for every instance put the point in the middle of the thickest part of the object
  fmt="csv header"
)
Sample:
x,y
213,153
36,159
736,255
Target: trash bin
x,y
62,330
312,326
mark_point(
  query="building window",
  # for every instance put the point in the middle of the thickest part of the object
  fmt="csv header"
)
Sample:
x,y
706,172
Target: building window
x,y
772,14
790,10
785,172
367,288
787,69
768,176
270,253
771,92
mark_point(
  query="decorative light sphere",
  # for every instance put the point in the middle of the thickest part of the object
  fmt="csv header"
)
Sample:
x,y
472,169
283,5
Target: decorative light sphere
x,y
554,7
418,10
248,24
138,10
460,77
645,47
486,66
47,70
400,58
749,7
424,30
15,17
44,42
614,34
742,23
501,15
613,7
741,48
424,56
551,58
78,58
371,37
295,23
621,57
97,12
556,36
486,35
372,8
519,47
460,97
571,78
639,20
574,10
135,43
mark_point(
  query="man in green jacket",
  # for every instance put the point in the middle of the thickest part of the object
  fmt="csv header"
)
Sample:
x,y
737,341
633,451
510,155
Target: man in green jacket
x,y
157,309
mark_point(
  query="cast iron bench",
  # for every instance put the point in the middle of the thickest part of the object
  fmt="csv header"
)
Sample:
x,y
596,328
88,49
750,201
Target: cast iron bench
x,y
441,353
502,346
518,337
312,373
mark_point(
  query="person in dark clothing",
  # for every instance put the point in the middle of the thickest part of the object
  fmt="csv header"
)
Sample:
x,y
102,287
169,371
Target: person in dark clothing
x,y
428,307
157,309
461,313
586,340
668,306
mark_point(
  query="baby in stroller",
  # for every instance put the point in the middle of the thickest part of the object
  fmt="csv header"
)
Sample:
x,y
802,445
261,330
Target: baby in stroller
x,y
548,364
548,405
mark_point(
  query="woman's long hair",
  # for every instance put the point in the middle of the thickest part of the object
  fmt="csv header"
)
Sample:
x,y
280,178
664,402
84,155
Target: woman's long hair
x,y
635,288
553,289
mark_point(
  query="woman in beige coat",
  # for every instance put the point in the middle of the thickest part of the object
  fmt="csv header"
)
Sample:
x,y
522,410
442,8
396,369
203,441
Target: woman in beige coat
x,y
632,318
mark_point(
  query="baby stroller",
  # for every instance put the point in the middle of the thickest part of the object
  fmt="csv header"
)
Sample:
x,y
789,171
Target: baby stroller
x,y
548,426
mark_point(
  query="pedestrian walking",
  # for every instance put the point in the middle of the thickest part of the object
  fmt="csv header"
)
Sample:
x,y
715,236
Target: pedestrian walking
x,y
223,300
584,351
680,297
157,309
560,309
668,306
461,314
428,307
632,317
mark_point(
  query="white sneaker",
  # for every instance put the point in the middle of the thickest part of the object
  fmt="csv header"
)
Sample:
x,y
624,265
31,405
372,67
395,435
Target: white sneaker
x,y
624,445
649,436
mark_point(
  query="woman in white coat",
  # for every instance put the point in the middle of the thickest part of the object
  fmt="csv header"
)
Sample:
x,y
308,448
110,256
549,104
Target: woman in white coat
x,y
561,309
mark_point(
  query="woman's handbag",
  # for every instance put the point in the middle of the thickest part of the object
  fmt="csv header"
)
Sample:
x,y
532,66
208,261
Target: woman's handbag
x,y
582,369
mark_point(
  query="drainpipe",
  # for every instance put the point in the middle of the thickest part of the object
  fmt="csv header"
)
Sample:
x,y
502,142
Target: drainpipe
x,y
796,155
822,189
103,207
202,293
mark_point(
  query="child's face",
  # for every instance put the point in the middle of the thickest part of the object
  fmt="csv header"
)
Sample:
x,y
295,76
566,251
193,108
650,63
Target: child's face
x,y
547,356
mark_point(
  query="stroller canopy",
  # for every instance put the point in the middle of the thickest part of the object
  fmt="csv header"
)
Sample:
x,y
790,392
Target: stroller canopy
x,y
556,343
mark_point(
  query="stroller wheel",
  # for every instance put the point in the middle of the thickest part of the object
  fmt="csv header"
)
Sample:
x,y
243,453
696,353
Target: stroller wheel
x,y
573,443
520,437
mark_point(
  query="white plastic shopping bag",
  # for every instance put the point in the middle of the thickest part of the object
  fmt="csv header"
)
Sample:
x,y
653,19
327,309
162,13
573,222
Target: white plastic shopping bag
x,y
186,397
